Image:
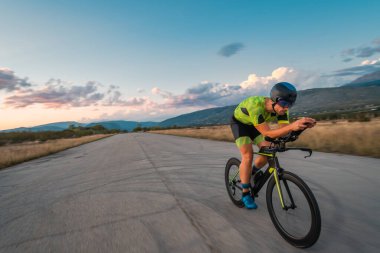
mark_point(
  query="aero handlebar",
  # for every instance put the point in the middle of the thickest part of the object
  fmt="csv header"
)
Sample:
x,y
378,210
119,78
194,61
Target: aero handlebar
x,y
279,143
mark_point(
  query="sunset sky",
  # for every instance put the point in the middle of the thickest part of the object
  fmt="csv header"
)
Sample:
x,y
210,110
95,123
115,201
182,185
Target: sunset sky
x,y
151,60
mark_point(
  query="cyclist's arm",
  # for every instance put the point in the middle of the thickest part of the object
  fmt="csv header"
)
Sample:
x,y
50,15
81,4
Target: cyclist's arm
x,y
281,125
264,129
300,124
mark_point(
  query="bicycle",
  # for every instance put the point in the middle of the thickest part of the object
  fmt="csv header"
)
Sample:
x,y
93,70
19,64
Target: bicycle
x,y
287,207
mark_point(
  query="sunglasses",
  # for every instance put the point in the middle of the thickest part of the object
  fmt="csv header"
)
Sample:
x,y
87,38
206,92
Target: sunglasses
x,y
284,103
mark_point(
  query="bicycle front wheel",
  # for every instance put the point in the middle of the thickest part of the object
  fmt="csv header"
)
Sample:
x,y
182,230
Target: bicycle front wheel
x,y
299,222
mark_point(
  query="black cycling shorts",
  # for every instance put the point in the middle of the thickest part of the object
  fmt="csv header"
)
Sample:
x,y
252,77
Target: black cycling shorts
x,y
245,134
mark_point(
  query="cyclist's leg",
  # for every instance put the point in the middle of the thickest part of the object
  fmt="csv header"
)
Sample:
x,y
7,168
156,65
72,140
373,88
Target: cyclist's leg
x,y
246,152
260,160
243,138
245,170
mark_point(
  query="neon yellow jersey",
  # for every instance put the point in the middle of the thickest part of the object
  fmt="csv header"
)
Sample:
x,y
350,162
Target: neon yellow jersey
x,y
251,111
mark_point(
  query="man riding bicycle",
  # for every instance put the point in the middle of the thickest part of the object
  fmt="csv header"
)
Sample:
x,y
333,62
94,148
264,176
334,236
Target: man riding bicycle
x,y
249,125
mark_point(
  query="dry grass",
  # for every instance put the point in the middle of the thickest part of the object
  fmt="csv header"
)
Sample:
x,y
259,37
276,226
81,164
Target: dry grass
x,y
357,138
18,153
221,133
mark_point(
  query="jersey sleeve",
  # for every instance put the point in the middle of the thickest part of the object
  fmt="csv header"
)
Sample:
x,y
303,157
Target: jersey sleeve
x,y
283,119
257,117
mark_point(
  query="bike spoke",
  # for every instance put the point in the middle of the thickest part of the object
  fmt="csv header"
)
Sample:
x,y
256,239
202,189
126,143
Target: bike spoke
x,y
233,177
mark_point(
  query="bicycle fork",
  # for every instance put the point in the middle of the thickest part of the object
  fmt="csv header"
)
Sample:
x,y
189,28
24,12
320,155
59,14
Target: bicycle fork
x,y
276,170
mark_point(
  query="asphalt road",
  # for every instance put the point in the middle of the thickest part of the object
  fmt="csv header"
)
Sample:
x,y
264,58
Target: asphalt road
x,y
154,193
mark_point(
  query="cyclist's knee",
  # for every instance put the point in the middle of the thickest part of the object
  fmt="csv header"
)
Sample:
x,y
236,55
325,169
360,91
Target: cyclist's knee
x,y
260,161
263,144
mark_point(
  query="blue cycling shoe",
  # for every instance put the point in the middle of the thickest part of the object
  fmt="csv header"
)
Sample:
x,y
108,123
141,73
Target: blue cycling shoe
x,y
249,202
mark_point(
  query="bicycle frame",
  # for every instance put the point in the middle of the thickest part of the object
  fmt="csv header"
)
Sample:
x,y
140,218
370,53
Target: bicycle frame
x,y
275,169
273,165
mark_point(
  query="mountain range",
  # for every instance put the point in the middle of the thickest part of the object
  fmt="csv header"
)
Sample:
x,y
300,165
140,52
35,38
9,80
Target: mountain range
x,y
367,80
363,94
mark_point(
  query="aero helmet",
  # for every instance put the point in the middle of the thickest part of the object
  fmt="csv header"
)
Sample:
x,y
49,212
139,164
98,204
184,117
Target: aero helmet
x,y
283,93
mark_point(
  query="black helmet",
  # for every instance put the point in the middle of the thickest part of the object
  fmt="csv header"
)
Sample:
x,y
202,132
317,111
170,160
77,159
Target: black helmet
x,y
283,92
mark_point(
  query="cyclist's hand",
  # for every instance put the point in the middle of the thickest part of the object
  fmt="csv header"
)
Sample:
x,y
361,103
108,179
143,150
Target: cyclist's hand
x,y
297,126
310,122
303,123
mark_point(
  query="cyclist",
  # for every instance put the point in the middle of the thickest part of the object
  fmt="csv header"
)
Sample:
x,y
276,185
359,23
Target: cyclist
x,y
249,125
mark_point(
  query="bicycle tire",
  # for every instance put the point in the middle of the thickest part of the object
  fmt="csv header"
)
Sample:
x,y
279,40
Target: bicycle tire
x,y
313,233
232,188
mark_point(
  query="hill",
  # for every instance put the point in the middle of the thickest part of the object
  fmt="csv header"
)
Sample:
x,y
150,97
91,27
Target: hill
x,y
371,79
211,116
123,125
57,126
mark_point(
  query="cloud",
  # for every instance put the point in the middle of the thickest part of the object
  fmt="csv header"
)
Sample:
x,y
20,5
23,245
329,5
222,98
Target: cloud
x,y
370,62
347,59
57,94
135,101
112,88
365,67
115,98
61,94
302,79
210,94
10,82
231,49
205,94
361,52
164,94
261,82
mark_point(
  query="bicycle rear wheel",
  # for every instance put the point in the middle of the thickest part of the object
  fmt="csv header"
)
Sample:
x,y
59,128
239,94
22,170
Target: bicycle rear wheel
x,y
300,224
233,182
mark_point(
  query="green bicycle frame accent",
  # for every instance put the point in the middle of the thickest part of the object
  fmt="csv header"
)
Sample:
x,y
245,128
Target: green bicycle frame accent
x,y
271,170
264,154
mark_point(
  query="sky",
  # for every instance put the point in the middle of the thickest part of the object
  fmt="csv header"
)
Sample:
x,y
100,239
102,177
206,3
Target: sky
x,y
150,60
